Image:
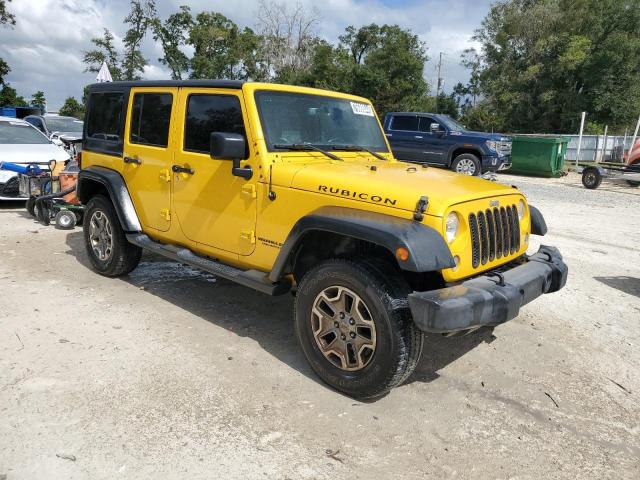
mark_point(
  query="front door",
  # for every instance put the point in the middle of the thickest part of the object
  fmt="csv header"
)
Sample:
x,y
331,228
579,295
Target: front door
x,y
214,207
148,154
405,137
434,146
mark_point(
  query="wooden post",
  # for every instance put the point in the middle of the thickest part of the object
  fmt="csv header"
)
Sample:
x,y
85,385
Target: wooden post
x,y
584,115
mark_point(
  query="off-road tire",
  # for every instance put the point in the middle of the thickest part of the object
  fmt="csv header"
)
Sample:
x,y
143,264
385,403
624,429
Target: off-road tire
x,y
467,157
398,340
65,220
591,178
124,256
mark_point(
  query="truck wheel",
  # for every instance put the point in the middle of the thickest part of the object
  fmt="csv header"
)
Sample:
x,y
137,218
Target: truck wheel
x,y
591,178
109,251
355,327
467,164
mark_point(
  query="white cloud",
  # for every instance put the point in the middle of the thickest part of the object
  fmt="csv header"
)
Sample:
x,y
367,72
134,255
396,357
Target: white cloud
x,y
45,48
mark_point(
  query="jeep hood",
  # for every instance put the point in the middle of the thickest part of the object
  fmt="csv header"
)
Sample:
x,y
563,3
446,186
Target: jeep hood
x,y
394,184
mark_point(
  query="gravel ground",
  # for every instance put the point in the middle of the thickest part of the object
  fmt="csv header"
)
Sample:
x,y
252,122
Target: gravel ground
x,y
169,373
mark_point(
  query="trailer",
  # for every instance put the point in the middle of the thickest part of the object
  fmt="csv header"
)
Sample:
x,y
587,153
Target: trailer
x,y
594,174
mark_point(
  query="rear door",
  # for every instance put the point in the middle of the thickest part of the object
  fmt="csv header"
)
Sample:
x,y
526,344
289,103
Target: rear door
x,y
148,154
405,137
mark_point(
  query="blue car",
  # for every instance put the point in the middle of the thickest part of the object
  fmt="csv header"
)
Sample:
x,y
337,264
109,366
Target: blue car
x,y
439,140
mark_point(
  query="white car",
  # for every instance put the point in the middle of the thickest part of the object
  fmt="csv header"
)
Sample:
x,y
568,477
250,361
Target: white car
x,y
23,144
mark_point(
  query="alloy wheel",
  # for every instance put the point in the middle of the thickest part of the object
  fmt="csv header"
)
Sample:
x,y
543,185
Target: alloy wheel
x,y
101,236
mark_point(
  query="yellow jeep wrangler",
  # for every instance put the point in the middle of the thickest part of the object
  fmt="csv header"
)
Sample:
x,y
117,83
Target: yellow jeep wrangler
x,y
290,189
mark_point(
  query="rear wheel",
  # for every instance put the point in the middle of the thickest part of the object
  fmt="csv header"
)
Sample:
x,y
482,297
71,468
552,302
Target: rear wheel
x,y
591,178
109,251
355,327
467,164
633,183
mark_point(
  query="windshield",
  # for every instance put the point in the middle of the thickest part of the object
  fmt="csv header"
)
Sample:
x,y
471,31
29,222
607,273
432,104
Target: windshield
x,y
325,122
451,124
17,133
64,124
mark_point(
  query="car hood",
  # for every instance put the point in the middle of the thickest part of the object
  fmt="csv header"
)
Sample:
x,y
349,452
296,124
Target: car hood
x,y
28,153
393,184
497,137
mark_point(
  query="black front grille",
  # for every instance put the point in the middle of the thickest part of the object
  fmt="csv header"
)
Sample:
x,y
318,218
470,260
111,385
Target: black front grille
x,y
495,233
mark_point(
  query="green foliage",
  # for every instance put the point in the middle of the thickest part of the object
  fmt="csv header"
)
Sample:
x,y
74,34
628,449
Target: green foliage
x,y
6,18
172,34
383,63
38,100
105,51
221,49
4,70
10,98
72,108
543,62
140,18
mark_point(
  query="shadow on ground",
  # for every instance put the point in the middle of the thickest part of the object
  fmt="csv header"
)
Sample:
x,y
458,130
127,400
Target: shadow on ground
x,y
265,319
628,285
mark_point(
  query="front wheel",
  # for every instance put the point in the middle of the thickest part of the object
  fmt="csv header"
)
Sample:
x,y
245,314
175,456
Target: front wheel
x,y
109,251
467,164
355,327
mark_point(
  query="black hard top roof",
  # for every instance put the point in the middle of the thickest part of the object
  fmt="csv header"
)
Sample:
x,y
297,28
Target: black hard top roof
x,y
168,83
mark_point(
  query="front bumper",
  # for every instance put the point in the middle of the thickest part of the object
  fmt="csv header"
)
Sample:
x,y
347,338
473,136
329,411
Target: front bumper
x,y
496,163
489,299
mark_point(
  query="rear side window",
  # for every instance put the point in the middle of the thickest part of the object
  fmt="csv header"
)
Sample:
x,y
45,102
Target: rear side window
x,y
150,119
405,122
211,113
104,121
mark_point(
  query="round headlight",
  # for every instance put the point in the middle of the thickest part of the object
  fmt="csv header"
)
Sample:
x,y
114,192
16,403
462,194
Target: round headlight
x,y
521,209
451,226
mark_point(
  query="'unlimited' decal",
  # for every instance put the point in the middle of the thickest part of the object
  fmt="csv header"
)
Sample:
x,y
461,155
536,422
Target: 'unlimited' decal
x,y
357,195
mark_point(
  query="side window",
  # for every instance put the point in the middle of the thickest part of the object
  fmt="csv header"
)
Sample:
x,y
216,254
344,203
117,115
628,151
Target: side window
x,y
150,118
425,124
405,122
36,123
211,113
105,116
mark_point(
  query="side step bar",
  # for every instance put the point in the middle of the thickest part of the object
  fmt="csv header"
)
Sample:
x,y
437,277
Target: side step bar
x,y
249,278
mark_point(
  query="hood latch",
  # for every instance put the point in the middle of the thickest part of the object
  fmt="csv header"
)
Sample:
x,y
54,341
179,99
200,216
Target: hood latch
x,y
421,207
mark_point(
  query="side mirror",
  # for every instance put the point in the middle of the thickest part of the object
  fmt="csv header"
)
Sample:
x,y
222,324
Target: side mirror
x,y
230,146
436,129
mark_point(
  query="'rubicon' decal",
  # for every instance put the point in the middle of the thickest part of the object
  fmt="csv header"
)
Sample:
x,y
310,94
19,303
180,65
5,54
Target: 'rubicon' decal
x,y
357,195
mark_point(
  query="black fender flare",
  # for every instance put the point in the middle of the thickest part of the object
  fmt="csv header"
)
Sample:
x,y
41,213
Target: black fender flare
x,y
427,249
457,146
116,187
538,225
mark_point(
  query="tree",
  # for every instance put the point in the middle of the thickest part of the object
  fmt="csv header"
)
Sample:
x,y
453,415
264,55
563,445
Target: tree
x,y
105,51
172,35
545,61
9,97
287,37
140,18
38,100
6,18
72,108
221,49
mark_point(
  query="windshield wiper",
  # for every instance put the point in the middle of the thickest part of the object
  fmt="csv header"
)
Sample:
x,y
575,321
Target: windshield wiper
x,y
358,148
305,146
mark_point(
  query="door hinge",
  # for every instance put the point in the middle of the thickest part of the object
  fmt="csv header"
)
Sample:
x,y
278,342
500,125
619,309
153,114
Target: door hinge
x,y
166,214
165,175
248,235
249,190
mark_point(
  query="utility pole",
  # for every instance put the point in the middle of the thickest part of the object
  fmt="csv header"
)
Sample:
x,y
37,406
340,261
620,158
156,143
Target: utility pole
x,y
440,83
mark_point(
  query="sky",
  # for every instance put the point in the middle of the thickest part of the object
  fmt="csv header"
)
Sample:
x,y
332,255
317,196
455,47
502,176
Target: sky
x,y
45,48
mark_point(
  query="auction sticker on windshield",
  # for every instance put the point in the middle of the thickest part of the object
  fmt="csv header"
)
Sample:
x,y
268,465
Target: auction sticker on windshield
x,y
362,109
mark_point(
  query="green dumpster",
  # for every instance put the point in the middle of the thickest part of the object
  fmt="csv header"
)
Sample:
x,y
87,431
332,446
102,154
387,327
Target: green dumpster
x,y
538,155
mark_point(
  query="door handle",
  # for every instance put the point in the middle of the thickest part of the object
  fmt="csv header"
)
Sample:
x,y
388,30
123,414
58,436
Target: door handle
x,y
180,169
418,136
133,160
